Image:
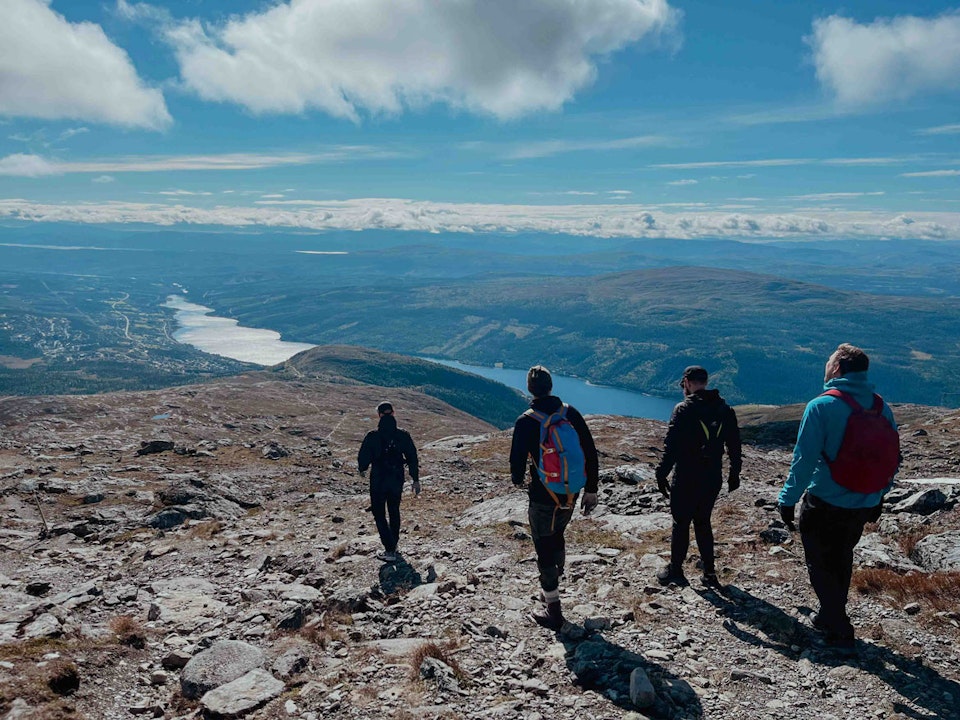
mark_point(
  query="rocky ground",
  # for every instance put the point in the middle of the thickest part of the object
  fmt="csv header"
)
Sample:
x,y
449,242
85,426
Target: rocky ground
x,y
206,552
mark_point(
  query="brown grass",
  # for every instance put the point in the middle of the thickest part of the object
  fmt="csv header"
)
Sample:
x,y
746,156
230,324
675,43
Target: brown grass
x,y
205,530
443,653
591,533
908,540
129,631
940,589
323,630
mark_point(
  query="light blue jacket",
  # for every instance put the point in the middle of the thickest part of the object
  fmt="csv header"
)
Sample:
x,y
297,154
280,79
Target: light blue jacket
x,y
821,430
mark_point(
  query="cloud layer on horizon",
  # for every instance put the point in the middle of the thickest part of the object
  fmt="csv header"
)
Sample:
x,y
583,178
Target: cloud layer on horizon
x,y
588,220
54,69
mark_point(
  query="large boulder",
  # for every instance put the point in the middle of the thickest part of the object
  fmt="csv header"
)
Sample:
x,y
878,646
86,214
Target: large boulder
x,y
939,552
222,662
924,502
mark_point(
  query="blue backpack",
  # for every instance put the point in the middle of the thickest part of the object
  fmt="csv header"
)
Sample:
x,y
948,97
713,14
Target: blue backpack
x,y
562,467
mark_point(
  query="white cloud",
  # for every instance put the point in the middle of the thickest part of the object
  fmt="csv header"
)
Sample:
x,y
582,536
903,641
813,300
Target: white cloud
x,y
21,165
932,173
684,182
836,195
620,192
941,130
227,161
773,162
348,57
889,59
620,220
548,148
54,69
104,179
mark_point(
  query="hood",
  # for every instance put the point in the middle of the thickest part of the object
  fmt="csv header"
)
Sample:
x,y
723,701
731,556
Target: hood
x,y
547,404
387,425
708,397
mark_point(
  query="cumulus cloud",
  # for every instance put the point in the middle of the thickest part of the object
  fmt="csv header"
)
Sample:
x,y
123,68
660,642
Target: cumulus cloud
x,y
888,59
348,57
621,220
22,165
54,69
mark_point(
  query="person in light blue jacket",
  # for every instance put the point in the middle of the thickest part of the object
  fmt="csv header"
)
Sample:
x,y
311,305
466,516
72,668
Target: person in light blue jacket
x,y
831,516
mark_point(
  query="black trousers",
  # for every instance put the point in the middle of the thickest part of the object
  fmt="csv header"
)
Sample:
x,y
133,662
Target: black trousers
x,y
385,495
829,534
692,501
547,525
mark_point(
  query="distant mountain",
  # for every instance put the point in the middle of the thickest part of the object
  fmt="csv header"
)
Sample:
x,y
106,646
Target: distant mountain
x,y
764,338
485,399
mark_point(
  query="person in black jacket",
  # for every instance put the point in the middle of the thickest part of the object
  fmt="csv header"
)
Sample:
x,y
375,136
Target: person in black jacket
x,y
385,451
548,519
700,427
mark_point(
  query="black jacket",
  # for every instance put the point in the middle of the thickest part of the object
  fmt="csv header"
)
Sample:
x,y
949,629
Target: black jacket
x,y
372,445
683,447
526,446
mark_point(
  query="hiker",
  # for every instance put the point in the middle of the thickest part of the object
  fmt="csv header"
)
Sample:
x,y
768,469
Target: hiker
x,y
385,451
846,456
569,465
700,427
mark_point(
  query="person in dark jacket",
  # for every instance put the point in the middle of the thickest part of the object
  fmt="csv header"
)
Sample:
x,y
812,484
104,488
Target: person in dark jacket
x,y
385,451
548,519
700,427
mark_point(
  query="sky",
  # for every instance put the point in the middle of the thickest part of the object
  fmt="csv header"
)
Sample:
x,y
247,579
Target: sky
x,y
604,118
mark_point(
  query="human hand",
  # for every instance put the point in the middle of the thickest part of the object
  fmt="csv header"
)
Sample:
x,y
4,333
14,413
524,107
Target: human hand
x,y
787,514
588,502
416,488
663,485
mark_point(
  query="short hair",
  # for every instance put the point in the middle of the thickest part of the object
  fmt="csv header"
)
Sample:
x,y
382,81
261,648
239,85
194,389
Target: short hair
x,y
851,358
384,408
539,381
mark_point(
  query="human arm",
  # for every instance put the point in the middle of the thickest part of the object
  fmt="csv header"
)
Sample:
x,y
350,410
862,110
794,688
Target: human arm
x,y
806,455
731,439
366,455
519,452
409,450
670,450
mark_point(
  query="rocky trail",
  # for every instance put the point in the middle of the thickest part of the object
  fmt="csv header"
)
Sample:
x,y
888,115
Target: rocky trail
x,y
206,552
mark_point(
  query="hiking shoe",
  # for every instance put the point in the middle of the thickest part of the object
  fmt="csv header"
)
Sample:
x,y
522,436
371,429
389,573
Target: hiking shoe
x,y
710,579
388,557
671,576
551,617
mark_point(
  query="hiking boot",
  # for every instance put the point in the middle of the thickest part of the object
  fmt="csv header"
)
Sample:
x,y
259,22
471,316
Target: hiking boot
x,y
671,576
389,557
550,618
710,579
817,621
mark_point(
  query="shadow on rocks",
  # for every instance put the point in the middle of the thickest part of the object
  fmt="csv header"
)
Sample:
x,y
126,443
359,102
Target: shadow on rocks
x,y
624,676
909,677
398,576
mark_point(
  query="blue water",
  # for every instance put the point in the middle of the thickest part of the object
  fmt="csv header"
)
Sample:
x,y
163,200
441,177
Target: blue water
x,y
588,399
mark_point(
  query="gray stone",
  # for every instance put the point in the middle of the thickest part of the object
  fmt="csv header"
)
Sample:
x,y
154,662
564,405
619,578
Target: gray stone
x,y
642,693
242,695
940,552
46,625
222,663
440,672
293,662
924,502
506,508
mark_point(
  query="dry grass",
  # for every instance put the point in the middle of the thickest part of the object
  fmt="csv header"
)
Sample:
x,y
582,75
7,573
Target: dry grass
x,y
323,630
129,631
205,530
338,552
443,653
908,540
940,589
591,533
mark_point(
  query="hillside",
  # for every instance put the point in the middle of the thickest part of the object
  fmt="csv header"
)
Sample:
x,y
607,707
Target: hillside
x,y
249,525
490,401
764,338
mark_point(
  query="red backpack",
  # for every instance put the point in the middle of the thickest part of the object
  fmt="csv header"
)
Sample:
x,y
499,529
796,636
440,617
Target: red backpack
x,y
869,453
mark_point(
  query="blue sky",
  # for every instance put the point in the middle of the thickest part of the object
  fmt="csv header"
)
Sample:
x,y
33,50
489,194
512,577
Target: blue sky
x,y
605,118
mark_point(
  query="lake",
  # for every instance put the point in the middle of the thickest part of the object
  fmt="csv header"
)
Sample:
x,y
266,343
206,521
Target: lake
x,y
223,336
587,398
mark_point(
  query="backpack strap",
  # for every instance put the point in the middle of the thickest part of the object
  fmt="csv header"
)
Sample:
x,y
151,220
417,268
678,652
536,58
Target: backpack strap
x,y
546,421
876,408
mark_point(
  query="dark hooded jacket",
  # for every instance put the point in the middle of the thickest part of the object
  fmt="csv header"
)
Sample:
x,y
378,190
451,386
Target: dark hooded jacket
x,y
372,448
700,427
525,450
